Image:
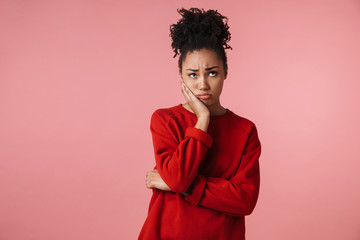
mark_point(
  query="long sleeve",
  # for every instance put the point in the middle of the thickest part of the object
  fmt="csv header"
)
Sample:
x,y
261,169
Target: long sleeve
x,y
178,162
238,195
217,168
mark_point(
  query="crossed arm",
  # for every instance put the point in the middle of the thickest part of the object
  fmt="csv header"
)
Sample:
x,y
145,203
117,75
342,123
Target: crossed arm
x,y
154,180
177,170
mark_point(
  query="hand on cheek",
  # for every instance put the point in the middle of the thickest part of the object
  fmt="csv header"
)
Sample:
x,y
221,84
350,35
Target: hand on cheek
x,y
198,107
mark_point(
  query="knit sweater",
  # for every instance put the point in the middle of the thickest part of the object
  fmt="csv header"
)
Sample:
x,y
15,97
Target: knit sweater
x,y
220,166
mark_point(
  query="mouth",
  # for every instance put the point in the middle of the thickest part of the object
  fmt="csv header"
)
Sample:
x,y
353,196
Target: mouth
x,y
204,96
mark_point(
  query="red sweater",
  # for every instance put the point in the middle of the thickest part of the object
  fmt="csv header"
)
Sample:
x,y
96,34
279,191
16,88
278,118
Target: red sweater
x,y
220,166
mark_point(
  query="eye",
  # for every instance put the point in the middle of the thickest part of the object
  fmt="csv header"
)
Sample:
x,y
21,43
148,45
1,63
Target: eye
x,y
190,75
214,74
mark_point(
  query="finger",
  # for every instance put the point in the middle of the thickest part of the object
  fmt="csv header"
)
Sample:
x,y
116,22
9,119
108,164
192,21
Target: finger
x,y
187,87
182,86
155,175
188,90
190,95
185,93
148,178
148,184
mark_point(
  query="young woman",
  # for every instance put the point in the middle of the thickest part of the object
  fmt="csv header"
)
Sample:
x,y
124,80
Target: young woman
x,y
206,178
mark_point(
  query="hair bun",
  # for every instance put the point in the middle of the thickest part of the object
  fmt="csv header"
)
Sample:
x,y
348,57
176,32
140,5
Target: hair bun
x,y
195,24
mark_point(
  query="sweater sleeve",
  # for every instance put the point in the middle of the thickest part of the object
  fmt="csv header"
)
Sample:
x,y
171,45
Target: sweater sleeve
x,y
178,162
238,195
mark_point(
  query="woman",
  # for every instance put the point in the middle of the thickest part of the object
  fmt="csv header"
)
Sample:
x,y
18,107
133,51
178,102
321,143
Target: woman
x,y
206,178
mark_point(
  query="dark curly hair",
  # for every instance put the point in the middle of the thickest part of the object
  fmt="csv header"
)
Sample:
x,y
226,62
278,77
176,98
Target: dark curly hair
x,y
198,29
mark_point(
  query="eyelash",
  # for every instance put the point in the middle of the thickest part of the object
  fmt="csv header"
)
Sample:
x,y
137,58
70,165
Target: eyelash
x,y
209,72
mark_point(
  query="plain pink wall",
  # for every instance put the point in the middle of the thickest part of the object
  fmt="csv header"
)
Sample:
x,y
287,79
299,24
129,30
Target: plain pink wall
x,y
79,82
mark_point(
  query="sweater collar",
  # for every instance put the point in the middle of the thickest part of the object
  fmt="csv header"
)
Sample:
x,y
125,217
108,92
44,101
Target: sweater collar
x,y
187,112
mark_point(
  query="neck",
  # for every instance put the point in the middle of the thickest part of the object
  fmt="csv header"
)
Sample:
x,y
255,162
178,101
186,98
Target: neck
x,y
215,110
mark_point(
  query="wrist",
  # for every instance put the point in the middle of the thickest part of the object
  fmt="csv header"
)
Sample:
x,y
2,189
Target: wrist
x,y
203,116
203,123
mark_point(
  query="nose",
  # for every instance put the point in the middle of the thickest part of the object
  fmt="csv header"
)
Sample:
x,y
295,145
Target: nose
x,y
203,83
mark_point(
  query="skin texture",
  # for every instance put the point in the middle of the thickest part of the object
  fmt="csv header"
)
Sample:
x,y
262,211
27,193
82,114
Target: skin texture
x,y
153,180
203,81
198,80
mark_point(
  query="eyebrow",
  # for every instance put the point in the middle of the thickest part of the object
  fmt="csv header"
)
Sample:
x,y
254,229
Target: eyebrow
x,y
195,70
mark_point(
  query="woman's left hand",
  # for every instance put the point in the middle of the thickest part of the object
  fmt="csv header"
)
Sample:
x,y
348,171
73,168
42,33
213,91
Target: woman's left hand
x,y
154,180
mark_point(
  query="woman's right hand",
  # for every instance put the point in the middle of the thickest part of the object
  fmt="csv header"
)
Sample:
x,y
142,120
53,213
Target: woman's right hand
x,y
199,108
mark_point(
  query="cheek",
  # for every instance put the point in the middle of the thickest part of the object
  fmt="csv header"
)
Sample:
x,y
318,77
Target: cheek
x,y
219,87
192,88
189,83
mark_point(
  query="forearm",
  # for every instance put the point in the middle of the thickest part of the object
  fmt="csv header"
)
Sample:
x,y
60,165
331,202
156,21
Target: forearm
x,y
225,196
178,160
237,195
179,169
154,180
203,123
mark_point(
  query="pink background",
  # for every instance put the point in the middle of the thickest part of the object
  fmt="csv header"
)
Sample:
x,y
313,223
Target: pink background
x,y
79,82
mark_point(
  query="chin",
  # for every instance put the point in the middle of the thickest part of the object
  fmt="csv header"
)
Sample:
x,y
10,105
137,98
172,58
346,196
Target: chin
x,y
207,103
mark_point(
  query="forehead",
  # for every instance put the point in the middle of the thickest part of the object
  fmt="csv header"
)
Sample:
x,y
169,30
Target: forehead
x,y
201,58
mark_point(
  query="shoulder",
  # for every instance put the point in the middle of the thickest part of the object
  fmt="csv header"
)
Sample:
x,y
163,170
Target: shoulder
x,y
164,114
247,129
242,122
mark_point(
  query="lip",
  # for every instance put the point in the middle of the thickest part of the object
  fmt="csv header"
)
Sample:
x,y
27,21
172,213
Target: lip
x,y
204,96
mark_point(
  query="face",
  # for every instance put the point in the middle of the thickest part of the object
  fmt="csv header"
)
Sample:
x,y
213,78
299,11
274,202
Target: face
x,y
203,72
